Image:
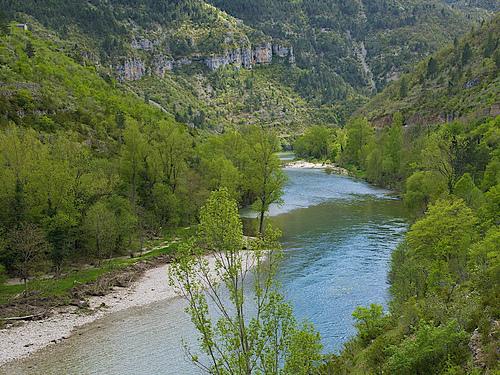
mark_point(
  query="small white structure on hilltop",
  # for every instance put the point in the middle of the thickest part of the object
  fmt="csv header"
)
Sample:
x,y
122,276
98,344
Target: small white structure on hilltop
x,y
22,26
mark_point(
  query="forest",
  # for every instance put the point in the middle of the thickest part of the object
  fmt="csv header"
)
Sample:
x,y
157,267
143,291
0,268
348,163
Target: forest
x,y
94,170
89,173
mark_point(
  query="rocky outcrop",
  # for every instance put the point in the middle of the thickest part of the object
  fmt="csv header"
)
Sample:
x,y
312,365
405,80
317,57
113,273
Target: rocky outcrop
x,y
284,52
135,68
248,57
234,57
132,70
472,83
263,54
142,44
162,65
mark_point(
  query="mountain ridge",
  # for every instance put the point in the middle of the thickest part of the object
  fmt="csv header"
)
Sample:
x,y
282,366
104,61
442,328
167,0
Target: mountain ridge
x,y
460,81
331,53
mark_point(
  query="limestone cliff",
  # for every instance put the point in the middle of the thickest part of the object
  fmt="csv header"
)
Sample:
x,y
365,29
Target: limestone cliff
x,y
149,61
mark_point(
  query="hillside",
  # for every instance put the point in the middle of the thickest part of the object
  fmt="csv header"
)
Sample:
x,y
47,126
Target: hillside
x,y
366,44
321,59
461,80
178,55
44,89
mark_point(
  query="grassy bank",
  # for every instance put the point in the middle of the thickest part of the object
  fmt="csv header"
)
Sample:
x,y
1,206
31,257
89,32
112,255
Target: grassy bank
x,y
50,291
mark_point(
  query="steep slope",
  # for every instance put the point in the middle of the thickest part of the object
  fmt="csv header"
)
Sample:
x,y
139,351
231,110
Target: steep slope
x,y
459,80
366,43
330,54
43,88
181,55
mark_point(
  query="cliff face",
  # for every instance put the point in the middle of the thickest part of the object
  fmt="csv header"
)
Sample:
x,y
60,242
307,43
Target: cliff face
x,y
135,68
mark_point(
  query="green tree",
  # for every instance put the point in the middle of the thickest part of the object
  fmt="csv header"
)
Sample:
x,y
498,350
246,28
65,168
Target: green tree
x,y
29,49
485,267
4,23
133,159
3,274
490,210
304,352
263,341
28,244
360,134
383,162
265,176
468,191
466,54
423,188
393,148
220,172
430,351
100,228
432,68
440,242
370,322
60,230
315,143
18,153
403,87
438,156
490,46
491,175
173,146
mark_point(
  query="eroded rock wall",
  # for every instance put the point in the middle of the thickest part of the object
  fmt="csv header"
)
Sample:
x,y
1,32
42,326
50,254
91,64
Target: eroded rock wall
x,y
133,69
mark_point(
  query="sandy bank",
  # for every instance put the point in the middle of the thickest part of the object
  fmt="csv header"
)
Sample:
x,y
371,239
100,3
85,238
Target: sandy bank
x,y
302,164
19,342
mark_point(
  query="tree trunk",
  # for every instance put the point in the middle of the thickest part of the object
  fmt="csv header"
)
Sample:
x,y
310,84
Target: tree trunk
x,y
261,223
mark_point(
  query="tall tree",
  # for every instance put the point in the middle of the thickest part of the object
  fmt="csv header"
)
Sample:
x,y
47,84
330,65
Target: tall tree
x,y
4,23
403,87
466,54
100,228
29,49
266,178
438,156
133,158
173,146
360,134
254,334
432,68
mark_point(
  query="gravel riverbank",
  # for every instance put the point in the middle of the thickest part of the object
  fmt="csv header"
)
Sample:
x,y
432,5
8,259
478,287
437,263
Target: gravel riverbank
x,y
302,164
153,286
19,342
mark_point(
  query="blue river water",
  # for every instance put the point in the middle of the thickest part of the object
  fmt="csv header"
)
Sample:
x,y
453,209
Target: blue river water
x,y
338,235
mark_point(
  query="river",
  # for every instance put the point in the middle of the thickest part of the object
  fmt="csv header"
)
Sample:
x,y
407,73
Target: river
x,y
338,235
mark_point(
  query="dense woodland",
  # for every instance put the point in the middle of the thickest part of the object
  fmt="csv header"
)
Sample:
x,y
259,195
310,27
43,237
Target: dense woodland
x,y
461,80
90,172
326,36
91,168
445,275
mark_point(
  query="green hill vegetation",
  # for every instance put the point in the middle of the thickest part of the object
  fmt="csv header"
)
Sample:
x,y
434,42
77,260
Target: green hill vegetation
x,y
342,51
90,171
229,98
330,37
99,152
460,80
444,309
443,313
